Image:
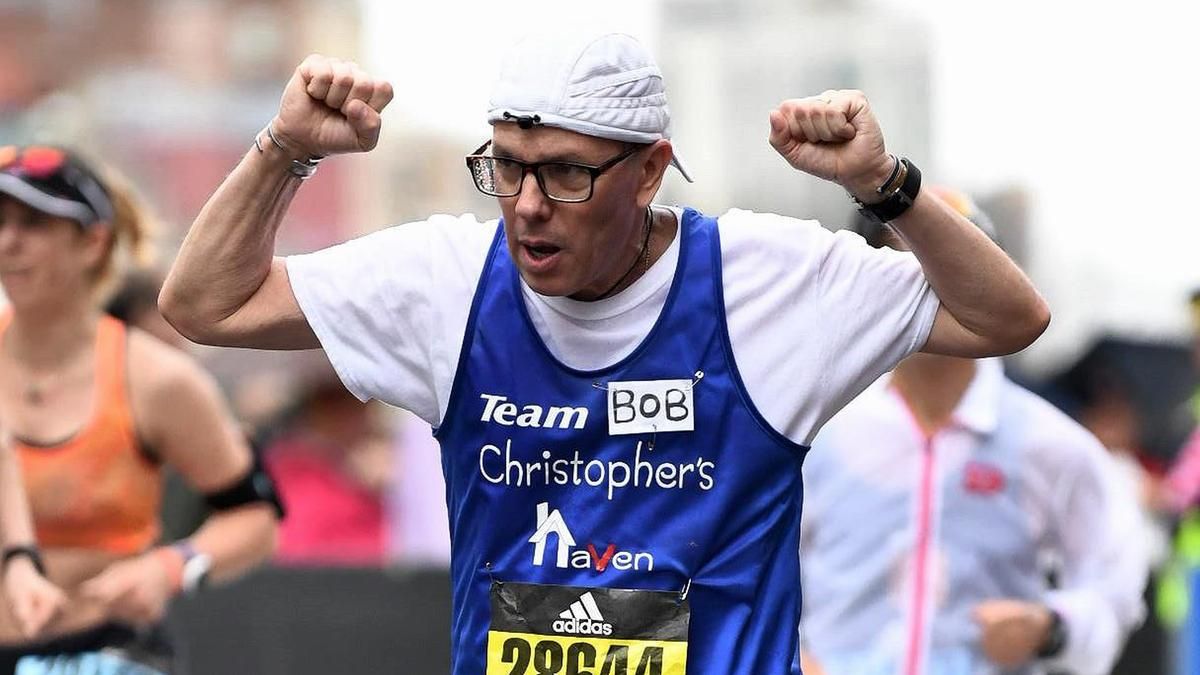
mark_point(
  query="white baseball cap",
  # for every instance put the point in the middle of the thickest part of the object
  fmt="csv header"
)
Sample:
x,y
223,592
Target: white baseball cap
x,y
607,86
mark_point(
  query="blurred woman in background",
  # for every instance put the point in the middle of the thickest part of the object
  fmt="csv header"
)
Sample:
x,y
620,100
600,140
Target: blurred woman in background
x,y
94,410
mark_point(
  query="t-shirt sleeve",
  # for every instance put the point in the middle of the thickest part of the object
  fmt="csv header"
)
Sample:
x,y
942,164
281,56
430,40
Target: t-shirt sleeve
x,y
814,317
1096,529
390,308
876,309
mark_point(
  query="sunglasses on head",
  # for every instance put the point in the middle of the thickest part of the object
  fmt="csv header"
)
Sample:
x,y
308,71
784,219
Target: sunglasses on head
x,y
55,174
35,161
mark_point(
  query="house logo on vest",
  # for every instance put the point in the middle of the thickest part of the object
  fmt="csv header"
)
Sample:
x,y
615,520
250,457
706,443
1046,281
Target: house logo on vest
x,y
583,617
567,555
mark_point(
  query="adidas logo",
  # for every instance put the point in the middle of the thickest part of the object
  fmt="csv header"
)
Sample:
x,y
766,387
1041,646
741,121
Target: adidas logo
x,y
582,618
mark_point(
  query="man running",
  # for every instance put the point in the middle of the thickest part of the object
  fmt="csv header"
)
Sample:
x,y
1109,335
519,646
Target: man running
x,y
623,392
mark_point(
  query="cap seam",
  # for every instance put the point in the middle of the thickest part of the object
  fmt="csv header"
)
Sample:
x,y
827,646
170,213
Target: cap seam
x,y
614,79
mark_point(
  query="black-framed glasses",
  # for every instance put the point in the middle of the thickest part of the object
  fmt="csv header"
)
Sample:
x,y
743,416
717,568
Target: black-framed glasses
x,y
560,181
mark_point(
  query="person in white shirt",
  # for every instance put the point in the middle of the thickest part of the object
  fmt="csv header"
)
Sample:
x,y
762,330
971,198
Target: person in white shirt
x,y
933,503
565,295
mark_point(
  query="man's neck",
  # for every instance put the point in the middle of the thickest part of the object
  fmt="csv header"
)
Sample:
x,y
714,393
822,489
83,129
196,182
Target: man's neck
x,y
932,386
660,232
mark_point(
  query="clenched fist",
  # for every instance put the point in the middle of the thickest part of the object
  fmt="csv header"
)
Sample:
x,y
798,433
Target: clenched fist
x,y
33,600
1011,631
836,137
134,591
330,106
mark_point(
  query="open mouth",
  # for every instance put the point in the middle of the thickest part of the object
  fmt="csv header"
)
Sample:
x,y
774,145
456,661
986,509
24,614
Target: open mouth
x,y
541,251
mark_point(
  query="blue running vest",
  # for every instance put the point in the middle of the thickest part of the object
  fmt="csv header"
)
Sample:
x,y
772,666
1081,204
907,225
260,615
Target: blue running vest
x,y
539,492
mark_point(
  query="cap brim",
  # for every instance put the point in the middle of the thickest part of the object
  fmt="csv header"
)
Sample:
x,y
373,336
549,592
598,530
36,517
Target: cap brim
x,y
678,164
18,189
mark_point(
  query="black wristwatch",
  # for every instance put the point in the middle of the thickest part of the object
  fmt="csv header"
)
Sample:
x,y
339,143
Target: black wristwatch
x,y
900,191
1056,637
28,551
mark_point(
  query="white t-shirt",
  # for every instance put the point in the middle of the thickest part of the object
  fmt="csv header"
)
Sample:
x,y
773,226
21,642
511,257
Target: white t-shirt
x,y
814,317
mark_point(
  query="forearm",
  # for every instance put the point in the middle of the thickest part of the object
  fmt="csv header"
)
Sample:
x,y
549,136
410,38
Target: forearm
x,y
977,283
237,540
228,251
15,523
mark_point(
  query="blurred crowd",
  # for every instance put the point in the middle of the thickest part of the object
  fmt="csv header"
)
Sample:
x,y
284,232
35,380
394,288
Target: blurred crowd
x,y
361,480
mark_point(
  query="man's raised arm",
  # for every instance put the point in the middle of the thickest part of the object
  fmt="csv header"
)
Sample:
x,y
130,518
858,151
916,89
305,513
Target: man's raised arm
x,y
988,305
227,287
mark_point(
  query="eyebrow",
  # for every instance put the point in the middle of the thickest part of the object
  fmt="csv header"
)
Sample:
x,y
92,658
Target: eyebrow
x,y
571,158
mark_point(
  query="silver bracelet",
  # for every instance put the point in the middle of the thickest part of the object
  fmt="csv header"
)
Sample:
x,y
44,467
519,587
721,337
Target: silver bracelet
x,y
302,168
895,180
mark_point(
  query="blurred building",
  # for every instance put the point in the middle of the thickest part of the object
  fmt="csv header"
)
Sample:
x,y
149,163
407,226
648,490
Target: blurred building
x,y
172,92
418,173
727,63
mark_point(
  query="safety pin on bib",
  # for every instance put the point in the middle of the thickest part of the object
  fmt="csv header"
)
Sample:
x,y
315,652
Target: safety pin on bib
x,y
696,377
687,588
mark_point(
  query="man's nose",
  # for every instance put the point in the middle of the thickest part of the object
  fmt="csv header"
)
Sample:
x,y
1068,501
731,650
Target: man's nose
x,y
531,201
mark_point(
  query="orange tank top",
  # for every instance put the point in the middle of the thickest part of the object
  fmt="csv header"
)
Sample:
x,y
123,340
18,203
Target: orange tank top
x,y
96,490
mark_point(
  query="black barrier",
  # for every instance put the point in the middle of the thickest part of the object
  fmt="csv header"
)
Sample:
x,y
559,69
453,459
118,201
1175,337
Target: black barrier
x,y
318,622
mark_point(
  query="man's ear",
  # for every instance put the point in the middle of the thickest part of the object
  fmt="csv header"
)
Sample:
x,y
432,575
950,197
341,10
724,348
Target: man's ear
x,y
654,167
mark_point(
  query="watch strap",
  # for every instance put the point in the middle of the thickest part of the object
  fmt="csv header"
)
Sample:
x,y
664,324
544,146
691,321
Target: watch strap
x,y
897,200
27,551
1056,637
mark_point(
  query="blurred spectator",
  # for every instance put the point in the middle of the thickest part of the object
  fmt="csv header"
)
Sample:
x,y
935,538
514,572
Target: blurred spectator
x,y
1105,403
93,410
333,463
1179,495
962,485
1107,409
1182,486
417,519
136,303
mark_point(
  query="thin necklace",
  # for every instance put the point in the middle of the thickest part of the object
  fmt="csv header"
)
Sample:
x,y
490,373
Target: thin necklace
x,y
36,388
33,390
34,395
643,256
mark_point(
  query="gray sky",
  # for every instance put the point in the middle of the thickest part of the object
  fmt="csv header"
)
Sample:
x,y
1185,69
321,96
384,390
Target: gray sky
x,y
403,38
1098,112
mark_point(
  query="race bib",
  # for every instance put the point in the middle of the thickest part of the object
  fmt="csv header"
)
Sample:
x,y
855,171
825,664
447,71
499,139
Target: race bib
x,y
564,630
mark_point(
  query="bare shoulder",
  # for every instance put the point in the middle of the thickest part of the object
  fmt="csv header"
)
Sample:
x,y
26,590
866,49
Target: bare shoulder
x,y
164,382
156,367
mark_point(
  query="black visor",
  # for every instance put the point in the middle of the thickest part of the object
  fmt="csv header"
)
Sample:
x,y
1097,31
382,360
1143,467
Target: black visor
x,y
54,181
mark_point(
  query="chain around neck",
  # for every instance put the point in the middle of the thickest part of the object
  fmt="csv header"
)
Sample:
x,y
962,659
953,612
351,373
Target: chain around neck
x,y
643,256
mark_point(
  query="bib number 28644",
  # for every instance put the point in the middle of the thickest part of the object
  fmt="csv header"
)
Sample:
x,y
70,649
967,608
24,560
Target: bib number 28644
x,y
540,629
553,657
